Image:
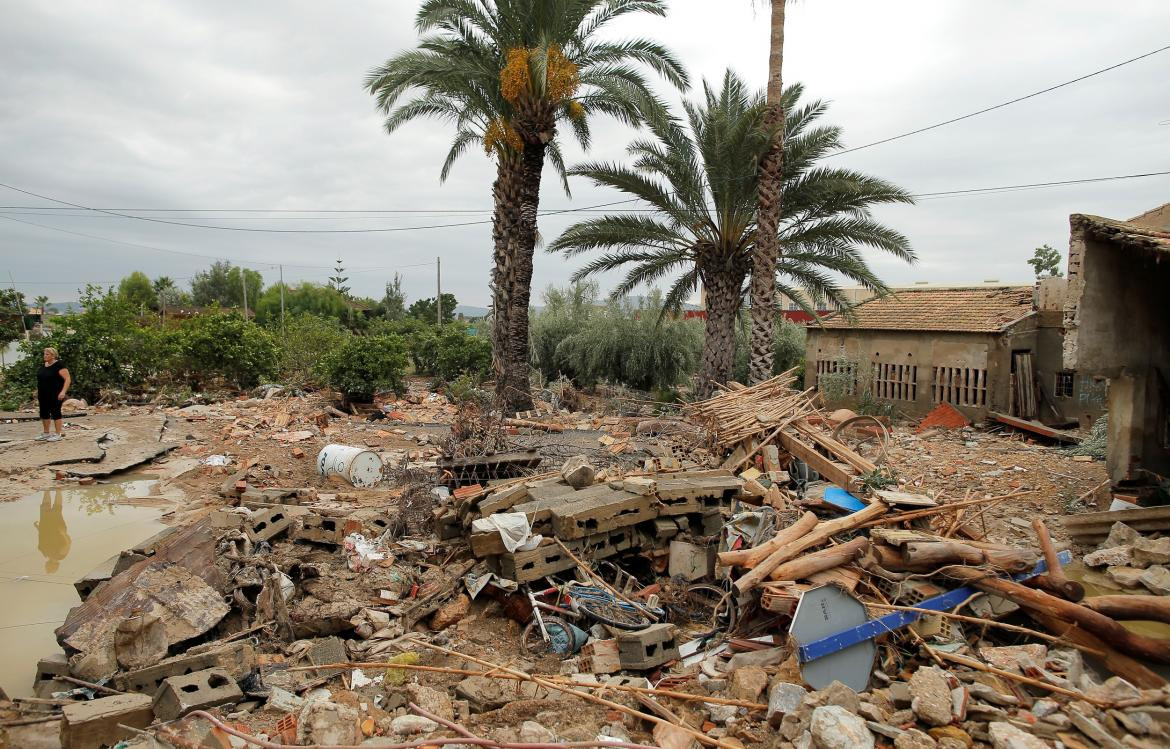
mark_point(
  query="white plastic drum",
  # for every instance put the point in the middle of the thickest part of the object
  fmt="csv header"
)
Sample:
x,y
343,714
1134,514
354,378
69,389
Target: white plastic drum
x,y
357,465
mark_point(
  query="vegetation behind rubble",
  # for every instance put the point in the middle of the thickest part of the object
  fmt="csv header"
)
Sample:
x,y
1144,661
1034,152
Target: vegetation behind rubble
x,y
618,341
365,365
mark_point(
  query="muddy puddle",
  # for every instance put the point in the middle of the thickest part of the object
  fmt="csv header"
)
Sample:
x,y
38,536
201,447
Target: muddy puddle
x,y
47,541
1076,571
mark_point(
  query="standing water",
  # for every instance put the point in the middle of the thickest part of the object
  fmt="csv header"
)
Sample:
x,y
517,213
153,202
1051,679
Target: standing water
x,y
47,541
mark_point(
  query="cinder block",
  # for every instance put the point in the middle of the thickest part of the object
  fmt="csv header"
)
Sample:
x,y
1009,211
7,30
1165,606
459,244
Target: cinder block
x,y
320,529
647,648
46,681
268,523
237,658
209,688
526,566
599,509
690,561
94,724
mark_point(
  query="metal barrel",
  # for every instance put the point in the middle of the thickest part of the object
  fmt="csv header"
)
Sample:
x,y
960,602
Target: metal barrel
x,y
357,465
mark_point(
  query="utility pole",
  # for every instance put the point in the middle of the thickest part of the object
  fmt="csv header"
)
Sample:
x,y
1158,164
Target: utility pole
x,y
244,286
16,302
281,300
438,292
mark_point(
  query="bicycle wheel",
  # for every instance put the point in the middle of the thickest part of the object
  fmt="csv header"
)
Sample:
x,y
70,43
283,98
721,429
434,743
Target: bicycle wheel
x,y
614,614
561,640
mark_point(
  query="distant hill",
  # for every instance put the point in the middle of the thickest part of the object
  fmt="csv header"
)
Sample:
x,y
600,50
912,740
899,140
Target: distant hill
x,y
468,311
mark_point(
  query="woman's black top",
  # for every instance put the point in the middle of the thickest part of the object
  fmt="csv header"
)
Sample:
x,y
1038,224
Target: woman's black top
x,y
50,381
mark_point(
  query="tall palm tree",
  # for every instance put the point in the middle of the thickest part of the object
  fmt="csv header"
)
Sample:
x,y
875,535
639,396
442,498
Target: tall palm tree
x,y
701,182
40,303
771,180
506,73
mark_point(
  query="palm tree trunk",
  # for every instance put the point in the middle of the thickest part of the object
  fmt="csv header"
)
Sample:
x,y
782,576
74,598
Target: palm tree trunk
x,y
515,393
507,197
723,290
766,253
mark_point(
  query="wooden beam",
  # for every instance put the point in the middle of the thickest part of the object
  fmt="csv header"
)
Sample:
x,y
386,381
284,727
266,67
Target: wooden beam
x,y
839,473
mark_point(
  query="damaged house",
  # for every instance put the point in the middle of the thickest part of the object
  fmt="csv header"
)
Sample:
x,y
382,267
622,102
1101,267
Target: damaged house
x,y
979,349
1117,334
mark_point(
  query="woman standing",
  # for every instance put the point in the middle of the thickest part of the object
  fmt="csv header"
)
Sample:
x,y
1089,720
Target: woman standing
x,y
53,382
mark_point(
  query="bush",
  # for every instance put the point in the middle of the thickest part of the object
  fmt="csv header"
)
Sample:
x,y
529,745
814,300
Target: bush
x,y
306,338
365,365
619,343
97,346
451,352
221,345
414,332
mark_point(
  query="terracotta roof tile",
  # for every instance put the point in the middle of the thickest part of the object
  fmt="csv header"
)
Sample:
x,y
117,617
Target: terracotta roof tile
x,y
985,310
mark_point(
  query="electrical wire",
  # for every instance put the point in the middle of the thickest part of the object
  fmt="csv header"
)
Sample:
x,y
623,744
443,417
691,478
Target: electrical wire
x,y
1001,105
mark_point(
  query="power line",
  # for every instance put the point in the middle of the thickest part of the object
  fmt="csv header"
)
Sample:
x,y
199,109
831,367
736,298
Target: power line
x,y
252,263
1001,105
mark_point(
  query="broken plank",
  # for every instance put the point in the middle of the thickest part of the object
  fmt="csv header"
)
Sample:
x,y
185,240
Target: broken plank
x,y
1034,427
839,473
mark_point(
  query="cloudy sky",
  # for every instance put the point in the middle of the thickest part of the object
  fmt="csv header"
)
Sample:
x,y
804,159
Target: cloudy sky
x,y
222,106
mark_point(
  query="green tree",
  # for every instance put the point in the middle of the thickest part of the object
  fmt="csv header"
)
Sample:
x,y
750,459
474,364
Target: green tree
x,y
166,293
42,303
220,284
700,181
11,316
393,304
424,309
1046,262
766,252
337,281
138,292
365,365
306,339
222,345
506,73
304,299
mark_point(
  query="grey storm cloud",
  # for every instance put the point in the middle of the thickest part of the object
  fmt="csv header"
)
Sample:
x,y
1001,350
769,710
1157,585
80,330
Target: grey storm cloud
x,y
224,105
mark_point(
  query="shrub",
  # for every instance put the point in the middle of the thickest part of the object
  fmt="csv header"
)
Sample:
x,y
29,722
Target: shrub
x,y
97,346
221,345
364,365
451,352
306,338
634,346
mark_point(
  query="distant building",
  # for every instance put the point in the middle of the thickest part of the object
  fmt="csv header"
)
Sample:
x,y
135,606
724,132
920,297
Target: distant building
x,y
980,349
1117,335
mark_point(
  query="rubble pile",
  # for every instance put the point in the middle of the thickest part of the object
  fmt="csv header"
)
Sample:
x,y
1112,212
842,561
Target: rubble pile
x,y
764,578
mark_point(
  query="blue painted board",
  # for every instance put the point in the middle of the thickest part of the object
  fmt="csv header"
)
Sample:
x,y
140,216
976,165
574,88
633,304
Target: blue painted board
x,y
838,497
896,620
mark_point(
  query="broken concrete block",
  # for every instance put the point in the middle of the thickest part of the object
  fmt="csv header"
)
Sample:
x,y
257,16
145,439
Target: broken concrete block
x,y
95,577
327,723
647,648
1115,556
319,529
930,691
578,472
748,683
200,690
783,698
1126,577
267,524
599,509
484,694
690,561
1147,551
1157,580
237,658
94,724
834,727
1120,535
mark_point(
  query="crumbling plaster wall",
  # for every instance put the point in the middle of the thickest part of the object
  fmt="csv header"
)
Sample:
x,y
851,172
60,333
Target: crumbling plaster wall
x,y
1117,326
925,350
